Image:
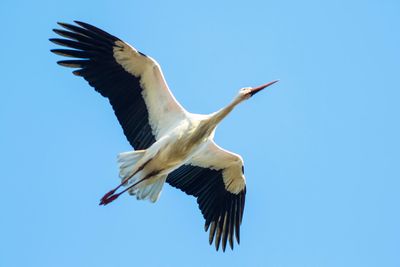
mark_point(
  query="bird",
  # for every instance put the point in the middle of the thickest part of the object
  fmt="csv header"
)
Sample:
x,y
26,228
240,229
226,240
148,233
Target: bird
x,y
171,145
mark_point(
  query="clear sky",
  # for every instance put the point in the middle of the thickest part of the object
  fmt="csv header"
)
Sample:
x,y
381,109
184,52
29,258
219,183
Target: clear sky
x,y
321,147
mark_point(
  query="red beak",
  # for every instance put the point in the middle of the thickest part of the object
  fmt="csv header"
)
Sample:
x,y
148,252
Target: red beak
x,y
259,88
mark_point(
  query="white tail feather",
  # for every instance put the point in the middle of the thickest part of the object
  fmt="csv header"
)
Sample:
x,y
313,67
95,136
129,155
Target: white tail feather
x,y
151,191
127,164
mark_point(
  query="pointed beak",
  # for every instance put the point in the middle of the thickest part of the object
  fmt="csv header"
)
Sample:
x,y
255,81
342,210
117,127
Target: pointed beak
x,y
261,87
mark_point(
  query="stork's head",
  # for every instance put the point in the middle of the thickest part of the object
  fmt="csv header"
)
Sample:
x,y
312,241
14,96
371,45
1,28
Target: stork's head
x,y
247,92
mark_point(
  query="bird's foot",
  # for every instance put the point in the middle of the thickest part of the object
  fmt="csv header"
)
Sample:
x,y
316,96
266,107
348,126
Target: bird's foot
x,y
108,198
111,196
108,194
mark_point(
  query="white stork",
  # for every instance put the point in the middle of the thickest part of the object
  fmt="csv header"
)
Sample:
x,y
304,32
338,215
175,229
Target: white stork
x,y
171,145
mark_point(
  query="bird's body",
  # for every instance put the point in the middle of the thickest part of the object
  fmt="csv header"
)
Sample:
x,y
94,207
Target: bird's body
x,y
176,147
171,144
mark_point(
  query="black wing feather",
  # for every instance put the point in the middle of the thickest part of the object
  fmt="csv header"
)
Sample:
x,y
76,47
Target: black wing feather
x,y
222,210
93,50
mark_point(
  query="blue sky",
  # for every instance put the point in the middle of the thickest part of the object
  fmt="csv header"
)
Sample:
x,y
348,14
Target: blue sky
x,y
321,147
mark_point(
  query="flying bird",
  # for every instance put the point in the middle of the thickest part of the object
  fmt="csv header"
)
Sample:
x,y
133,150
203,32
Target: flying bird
x,y
170,144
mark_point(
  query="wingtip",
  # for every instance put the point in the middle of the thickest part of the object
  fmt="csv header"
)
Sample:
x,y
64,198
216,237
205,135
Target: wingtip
x,y
69,63
77,73
62,24
61,63
53,40
223,248
57,31
82,24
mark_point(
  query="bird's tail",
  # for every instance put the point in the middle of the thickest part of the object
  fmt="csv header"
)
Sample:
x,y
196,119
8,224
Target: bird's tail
x,y
149,189
127,162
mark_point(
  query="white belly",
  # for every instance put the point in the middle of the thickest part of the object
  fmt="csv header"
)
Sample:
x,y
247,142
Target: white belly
x,y
176,148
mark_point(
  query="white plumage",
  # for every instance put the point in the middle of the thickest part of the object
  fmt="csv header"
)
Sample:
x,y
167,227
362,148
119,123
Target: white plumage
x,y
171,144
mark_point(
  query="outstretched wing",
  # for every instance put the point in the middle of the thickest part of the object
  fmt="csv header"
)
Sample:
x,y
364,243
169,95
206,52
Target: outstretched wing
x,y
132,81
215,177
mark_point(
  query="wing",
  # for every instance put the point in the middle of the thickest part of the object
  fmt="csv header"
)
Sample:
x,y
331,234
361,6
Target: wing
x,y
215,177
132,81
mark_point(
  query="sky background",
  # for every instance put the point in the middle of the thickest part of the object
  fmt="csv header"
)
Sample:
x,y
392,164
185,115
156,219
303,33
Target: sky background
x,y
321,147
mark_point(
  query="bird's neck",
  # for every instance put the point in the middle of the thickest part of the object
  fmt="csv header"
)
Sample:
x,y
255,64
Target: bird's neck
x,y
218,116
